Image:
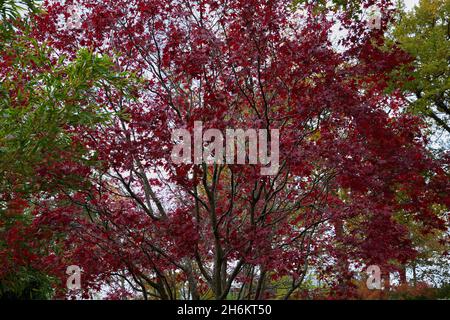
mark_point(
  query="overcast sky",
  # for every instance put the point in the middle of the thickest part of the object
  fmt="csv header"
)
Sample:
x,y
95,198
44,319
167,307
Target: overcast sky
x,y
410,3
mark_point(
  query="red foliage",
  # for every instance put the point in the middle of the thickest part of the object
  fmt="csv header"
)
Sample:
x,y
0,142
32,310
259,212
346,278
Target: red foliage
x,y
346,148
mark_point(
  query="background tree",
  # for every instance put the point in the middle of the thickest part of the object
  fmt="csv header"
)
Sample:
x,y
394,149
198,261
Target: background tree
x,y
425,34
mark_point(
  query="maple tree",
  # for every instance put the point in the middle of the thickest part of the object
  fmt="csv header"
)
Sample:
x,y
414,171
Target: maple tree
x,y
351,161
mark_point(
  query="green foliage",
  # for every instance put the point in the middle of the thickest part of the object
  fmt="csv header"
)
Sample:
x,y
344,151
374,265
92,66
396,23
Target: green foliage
x,y
12,9
425,34
12,12
352,7
443,292
26,284
42,98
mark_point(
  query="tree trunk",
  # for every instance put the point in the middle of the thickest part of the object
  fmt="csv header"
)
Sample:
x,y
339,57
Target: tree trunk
x,y
403,279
